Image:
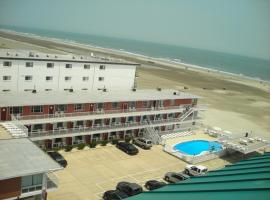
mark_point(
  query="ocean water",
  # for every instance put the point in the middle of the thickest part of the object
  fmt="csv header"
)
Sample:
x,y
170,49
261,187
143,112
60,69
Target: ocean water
x,y
248,66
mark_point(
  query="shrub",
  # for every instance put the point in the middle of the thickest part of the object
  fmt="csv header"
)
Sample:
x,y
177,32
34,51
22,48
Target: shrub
x,y
104,143
115,141
128,139
56,148
68,148
80,146
92,144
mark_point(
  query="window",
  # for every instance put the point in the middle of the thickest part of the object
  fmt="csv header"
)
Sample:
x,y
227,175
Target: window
x,y
131,104
31,183
29,64
50,65
67,78
68,66
101,78
48,89
86,66
100,105
15,110
84,88
145,103
6,78
7,64
5,90
60,125
78,107
36,109
85,78
60,108
28,78
115,105
49,78
102,67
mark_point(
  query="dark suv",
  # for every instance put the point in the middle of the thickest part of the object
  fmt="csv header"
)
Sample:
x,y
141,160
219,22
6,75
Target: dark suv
x,y
128,148
58,158
153,184
114,195
129,189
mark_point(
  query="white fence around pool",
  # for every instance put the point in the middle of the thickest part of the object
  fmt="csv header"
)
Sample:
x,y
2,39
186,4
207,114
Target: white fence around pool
x,y
193,159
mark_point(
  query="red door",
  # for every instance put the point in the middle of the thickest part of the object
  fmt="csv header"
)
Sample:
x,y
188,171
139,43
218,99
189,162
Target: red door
x,y
91,107
3,114
51,110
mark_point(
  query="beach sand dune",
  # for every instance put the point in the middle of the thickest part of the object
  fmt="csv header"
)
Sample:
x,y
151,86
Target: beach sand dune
x,y
234,102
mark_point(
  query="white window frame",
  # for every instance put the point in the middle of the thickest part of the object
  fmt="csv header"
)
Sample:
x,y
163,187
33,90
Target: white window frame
x,y
37,109
29,64
85,78
49,78
68,78
7,78
28,76
86,66
68,66
50,65
102,67
101,78
7,63
78,109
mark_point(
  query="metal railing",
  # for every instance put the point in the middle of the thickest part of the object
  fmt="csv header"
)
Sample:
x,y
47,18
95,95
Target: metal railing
x,y
102,127
52,181
100,112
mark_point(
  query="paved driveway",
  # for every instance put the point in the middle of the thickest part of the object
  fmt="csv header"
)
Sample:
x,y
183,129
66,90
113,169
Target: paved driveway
x,y
90,172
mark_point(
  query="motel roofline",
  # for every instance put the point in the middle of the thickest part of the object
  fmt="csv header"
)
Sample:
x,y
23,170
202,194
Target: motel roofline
x,y
9,99
67,58
21,157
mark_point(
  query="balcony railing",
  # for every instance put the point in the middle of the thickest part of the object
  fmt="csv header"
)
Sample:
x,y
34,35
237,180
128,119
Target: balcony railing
x,y
52,181
98,112
83,129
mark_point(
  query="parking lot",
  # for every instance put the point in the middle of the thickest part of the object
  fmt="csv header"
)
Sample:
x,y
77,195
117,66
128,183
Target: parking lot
x,y
90,172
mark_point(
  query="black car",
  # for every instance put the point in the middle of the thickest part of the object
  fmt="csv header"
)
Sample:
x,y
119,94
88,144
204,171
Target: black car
x,y
128,148
114,195
129,189
58,158
153,184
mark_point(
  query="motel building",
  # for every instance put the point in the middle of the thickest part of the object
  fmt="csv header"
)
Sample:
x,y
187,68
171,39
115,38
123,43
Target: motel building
x,y
26,172
87,99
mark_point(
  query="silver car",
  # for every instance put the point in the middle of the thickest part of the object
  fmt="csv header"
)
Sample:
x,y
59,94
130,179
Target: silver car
x,y
143,143
174,177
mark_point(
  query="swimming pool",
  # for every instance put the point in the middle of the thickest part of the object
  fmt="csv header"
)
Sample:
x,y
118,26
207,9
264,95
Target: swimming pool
x,y
196,147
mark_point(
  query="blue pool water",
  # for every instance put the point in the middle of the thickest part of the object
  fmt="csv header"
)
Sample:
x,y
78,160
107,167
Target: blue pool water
x,y
195,147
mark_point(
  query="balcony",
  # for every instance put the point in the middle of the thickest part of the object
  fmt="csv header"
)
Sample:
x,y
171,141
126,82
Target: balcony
x,y
121,112
52,182
96,129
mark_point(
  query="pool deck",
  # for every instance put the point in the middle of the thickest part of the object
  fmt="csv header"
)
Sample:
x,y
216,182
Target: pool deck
x,y
198,136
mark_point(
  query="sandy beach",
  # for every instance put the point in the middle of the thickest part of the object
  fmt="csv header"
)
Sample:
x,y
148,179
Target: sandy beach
x,y
235,103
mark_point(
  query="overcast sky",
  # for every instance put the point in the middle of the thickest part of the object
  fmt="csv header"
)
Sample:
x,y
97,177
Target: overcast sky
x,y
234,26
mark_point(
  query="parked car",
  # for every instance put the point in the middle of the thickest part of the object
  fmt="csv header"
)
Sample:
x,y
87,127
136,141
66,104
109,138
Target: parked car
x,y
174,177
58,158
114,195
143,143
194,170
129,189
127,147
153,184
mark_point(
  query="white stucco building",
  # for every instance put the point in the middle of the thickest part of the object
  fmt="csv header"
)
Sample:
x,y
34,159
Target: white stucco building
x,y
28,71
